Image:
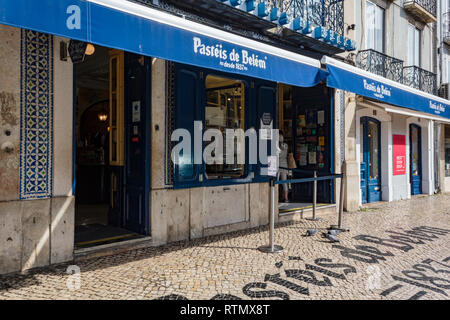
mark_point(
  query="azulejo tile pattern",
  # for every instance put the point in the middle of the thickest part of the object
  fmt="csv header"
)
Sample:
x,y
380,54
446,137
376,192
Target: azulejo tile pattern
x,y
36,127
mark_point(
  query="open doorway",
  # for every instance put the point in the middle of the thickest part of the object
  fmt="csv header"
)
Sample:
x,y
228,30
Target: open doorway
x,y
305,123
105,192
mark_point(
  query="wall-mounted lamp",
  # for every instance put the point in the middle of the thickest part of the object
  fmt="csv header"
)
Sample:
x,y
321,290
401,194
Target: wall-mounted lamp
x,y
90,49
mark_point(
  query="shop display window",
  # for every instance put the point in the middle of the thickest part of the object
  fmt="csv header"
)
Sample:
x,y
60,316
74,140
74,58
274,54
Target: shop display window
x,y
225,109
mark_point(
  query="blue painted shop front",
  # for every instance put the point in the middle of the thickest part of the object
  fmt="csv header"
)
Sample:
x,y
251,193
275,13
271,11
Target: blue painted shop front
x,y
206,95
370,134
219,101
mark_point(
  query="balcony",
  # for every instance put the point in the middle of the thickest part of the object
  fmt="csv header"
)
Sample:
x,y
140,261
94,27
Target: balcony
x,y
326,13
380,64
423,10
313,25
420,79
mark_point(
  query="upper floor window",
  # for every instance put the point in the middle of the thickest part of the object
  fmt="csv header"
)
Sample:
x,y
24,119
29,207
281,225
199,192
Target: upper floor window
x,y
413,46
374,27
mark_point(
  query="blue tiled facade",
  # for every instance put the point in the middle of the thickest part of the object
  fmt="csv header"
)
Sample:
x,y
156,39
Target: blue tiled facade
x,y
36,108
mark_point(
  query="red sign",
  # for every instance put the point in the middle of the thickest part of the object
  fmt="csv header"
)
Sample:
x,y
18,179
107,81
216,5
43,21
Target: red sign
x,y
399,154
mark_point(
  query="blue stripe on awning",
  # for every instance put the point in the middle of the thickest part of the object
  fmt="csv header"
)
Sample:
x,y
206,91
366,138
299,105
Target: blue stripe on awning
x,y
131,27
349,78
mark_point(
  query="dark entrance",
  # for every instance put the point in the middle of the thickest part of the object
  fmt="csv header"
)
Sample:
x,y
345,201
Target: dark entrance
x,y
415,145
112,147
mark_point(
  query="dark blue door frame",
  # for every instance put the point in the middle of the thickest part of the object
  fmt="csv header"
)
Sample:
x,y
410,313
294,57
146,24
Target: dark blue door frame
x,y
370,186
190,101
415,179
137,108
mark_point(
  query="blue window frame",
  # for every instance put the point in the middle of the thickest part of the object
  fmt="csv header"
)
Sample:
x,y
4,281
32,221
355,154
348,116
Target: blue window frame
x,y
370,159
190,105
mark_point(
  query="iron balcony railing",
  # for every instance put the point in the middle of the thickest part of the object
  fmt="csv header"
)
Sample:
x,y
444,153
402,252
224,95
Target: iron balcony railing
x,y
380,64
428,5
326,13
420,79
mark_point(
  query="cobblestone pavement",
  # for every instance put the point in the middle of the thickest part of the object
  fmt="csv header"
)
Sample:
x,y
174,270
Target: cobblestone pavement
x,y
397,250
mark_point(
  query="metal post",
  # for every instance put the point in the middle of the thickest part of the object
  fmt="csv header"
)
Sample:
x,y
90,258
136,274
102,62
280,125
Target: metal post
x,y
314,202
341,202
271,248
339,226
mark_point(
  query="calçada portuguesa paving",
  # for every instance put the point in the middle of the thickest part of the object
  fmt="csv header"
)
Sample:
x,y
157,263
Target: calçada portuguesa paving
x,y
397,250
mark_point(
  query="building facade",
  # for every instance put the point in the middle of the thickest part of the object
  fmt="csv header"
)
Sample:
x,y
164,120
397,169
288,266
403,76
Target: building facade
x,y
98,96
443,78
392,151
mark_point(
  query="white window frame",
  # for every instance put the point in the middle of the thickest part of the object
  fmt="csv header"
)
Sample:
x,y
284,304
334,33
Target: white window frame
x,y
414,47
378,18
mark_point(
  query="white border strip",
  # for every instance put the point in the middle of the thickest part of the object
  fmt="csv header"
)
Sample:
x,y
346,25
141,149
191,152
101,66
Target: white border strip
x,y
412,114
364,73
177,22
400,110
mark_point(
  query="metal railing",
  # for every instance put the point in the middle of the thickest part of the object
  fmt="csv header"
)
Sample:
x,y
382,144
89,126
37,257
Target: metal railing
x,y
380,64
313,179
420,79
327,13
272,247
428,5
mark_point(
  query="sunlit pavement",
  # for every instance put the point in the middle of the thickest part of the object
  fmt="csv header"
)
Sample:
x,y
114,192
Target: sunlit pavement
x,y
397,250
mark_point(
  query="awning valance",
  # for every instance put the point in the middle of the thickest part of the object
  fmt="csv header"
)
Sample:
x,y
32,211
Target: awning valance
x,y
349,78
136,28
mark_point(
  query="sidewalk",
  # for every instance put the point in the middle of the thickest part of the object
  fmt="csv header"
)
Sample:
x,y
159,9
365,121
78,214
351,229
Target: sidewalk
x,y
368,263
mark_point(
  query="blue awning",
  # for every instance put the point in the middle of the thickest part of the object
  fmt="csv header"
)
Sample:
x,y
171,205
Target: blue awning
x,y
132,27
349,78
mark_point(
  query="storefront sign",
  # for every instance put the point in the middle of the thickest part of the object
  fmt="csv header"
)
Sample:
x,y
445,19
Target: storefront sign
x,y
125,25
399,154
349,78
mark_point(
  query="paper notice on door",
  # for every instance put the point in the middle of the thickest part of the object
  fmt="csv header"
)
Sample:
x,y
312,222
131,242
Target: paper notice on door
x,y
136,111
272,168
